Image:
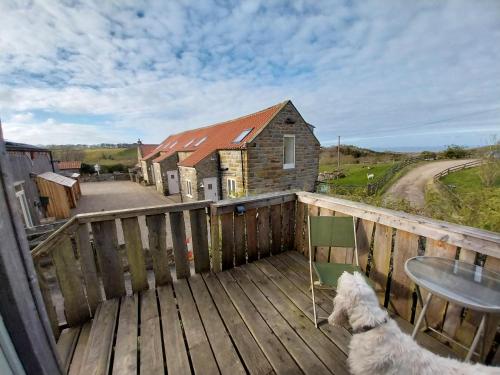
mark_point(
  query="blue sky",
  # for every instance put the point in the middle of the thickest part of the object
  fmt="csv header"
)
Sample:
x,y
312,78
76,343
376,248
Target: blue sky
x,y
384,74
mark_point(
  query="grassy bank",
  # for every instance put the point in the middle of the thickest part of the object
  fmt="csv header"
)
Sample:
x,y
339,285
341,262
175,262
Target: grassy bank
x,y
470,197
356,174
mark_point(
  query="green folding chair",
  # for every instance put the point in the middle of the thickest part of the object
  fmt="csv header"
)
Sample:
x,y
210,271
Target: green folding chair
x,y
330,231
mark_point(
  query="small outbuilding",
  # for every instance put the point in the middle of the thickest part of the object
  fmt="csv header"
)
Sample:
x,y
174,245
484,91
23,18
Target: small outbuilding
x,y
60,193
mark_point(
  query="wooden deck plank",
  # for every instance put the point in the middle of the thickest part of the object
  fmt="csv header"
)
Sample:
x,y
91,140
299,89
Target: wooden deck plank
x,y
96,360
200,351
321,345
125,359
326,299
66,345
151,358
299,335
253,358
274,350
83,338
338,335
173,340
224,351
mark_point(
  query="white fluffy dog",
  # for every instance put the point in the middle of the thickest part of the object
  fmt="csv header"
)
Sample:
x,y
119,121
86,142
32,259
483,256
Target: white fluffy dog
x,y
378,346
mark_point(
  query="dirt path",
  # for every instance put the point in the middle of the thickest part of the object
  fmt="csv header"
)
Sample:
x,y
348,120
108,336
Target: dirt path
x,y
412,185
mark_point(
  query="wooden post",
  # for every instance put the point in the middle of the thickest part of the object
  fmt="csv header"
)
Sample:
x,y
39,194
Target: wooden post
x,y
21,304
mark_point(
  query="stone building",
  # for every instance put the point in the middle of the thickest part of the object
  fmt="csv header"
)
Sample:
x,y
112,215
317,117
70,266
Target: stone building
x,y
270,150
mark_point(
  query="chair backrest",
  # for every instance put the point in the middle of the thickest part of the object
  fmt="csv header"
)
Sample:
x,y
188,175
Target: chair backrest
x,y
332,231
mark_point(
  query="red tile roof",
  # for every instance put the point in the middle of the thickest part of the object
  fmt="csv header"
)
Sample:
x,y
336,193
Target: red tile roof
x,y
69,165
219,136
147,149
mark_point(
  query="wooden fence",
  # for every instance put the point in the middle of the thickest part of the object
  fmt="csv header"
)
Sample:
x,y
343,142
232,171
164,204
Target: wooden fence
x,y
387,238
470,164
234,232
373,187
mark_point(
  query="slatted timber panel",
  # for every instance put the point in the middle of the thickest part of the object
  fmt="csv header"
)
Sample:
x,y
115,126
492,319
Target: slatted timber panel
x,y
364,235
135,254
89,270
178,230
251,229
277,229
47,300
405,247
263,232
226,222
199,235
311,211
381,259
300,225
106,244
239,240
157,229
288,225
69,277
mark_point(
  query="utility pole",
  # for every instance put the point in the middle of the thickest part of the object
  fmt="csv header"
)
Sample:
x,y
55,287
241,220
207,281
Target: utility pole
x,y
338,155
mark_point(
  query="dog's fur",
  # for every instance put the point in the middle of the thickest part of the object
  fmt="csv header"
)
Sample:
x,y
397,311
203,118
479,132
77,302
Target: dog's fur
x,y
385,349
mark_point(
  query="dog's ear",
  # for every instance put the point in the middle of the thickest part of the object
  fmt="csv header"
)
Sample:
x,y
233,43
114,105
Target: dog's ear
x,y
339,315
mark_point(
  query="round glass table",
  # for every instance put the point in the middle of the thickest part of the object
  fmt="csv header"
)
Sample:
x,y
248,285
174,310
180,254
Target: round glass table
x,y
461,283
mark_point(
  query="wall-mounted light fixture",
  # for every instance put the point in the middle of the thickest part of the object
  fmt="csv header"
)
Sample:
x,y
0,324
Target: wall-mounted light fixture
x,y
239,210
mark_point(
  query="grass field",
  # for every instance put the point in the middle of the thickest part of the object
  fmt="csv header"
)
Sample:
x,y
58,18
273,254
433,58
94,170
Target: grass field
x,y
470,202
103,156
356,174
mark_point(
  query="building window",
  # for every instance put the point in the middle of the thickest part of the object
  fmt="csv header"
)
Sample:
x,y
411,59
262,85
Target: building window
x,y
242,135
200,141
288,151
189,189
231,187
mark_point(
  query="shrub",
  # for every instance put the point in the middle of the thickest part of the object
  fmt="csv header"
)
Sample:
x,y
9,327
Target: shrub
x,y
428,155
87,169
455,152
113,168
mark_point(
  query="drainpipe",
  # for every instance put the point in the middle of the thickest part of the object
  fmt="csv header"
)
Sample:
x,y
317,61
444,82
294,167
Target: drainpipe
x,y
219,176
243,174
51,161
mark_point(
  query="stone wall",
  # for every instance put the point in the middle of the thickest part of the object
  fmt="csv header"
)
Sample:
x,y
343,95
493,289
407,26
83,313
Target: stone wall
x,y
161,176
205,168
183,155
188,174
265,155
231,168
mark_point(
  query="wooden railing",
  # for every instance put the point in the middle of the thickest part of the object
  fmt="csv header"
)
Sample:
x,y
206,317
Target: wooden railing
x,y
247,229
387,238
102,255
470,164
91,265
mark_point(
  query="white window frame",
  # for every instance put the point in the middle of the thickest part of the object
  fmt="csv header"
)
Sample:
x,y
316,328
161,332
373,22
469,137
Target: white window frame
x,y
189,188
288,165
231,190
200,141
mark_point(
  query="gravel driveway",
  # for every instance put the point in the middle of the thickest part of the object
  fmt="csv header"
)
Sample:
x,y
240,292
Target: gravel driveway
x,y
411,186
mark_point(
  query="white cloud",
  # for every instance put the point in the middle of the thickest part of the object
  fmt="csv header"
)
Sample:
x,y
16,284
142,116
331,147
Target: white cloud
x,y
159,67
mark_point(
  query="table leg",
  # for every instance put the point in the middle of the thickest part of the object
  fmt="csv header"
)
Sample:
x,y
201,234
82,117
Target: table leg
x,y
476,338
421,301
422,315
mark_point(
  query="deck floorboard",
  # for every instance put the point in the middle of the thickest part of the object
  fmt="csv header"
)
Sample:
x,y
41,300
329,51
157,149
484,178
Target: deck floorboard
x,y
255,319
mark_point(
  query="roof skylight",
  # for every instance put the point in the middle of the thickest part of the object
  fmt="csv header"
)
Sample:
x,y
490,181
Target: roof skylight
x,y
200,141
187,144
173,144
242,135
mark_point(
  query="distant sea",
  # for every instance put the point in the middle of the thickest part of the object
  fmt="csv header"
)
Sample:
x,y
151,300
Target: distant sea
x,y
412,148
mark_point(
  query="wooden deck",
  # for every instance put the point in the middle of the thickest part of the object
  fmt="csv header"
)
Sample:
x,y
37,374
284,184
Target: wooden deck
x,y
254,319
